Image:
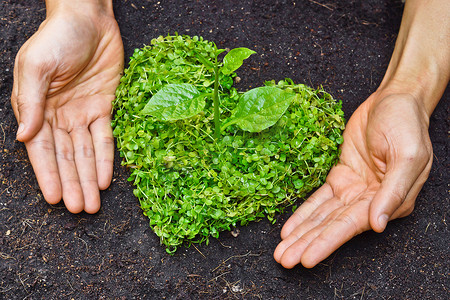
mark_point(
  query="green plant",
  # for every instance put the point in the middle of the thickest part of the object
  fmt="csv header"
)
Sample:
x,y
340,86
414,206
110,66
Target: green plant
x,y
196,175
257,109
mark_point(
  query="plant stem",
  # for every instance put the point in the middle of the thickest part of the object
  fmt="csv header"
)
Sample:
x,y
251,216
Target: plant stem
x,y
216,102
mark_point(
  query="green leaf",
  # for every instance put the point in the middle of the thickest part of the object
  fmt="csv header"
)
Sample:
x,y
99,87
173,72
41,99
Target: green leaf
x,y
234,59
260,108
204,61
175,102
219,51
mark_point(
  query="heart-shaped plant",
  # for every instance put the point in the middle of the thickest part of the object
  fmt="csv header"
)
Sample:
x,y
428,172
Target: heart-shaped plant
x,y
205,157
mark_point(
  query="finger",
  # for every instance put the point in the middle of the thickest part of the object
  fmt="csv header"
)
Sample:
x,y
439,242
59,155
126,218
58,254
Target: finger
x,y
317,217
102,137
41,151
301,237
290,255
28,100
85,164
394,188
318,243
348,224
323,194
72,192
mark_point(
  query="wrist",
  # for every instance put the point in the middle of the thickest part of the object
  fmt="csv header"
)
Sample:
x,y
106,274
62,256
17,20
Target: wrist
x,y
425,83
94,7
420,64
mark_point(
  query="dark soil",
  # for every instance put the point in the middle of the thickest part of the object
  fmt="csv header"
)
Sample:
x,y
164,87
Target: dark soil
x,y
48,253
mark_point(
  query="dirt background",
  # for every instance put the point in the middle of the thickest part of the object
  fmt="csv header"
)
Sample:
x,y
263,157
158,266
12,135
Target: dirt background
x,y
48,253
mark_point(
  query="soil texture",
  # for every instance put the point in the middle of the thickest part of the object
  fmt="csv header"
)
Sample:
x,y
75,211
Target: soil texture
x,y
48,253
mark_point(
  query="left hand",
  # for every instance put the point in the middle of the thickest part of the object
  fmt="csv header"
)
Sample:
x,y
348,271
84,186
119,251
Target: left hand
x,y
385,160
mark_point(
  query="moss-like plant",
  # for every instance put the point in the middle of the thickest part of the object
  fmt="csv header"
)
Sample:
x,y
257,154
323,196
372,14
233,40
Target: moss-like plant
x,y
205,157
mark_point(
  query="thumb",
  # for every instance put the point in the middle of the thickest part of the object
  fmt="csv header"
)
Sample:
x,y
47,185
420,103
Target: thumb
x,y
28,98
397,193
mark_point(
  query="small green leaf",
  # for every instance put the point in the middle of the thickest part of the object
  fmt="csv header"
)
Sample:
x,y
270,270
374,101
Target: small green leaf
x,y
260,108
175,102
204,61
234,59
218,51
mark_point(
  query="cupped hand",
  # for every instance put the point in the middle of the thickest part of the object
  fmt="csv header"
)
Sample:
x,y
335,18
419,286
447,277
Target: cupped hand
x,y
385,160
65,78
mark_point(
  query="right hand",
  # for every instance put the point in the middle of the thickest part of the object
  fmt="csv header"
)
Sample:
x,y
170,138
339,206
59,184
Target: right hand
x,y
65,78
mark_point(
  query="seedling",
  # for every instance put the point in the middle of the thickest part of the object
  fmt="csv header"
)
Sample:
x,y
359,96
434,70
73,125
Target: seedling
x,y
204,157
257,109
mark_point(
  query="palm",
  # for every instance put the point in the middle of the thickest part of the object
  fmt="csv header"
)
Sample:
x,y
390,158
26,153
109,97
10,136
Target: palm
x,y
384,162
71,148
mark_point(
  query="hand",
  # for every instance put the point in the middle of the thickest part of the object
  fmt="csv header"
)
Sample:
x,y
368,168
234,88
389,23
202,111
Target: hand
x,y
65,78
386,158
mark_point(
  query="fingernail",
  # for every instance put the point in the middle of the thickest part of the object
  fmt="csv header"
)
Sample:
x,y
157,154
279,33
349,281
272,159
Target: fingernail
x,y
21,128
383,220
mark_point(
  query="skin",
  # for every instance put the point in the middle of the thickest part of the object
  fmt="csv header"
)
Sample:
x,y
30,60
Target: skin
x,y
387,154
66,74
65,78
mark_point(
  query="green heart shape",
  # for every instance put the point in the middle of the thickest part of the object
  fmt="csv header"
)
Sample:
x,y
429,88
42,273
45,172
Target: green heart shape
x,y
192,187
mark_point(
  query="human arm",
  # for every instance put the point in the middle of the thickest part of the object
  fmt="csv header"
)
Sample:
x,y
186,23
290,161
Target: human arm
x,y
387,154
65,77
